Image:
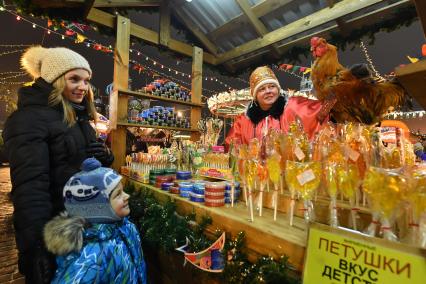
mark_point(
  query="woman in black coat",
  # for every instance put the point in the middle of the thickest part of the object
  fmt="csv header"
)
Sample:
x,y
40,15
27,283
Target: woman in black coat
x,y
47,138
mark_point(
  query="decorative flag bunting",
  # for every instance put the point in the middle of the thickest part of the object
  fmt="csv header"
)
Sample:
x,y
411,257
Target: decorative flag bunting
x,y
294,68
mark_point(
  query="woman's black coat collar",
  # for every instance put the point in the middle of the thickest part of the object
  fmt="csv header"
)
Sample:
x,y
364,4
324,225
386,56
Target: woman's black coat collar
x,y
256,114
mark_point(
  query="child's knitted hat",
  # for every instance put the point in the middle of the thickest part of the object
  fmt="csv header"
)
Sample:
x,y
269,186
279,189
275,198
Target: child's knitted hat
x,y
51,63
86,194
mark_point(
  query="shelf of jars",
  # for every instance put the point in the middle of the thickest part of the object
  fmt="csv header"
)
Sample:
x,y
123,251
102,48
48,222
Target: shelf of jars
x,y
164,98
156,126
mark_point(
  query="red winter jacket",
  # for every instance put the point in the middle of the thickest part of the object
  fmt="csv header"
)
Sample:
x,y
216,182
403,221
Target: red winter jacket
x,y
244,129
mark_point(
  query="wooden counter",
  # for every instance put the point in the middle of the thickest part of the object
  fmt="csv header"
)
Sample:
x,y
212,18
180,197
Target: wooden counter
x,y
263,236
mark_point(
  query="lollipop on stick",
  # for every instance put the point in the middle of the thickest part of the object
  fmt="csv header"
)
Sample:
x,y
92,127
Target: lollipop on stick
x,y
242,168
273,164
252,172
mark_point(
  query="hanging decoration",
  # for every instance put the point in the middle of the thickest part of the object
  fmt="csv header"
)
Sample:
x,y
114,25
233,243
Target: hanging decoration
x,y
294,68
370,62
210,259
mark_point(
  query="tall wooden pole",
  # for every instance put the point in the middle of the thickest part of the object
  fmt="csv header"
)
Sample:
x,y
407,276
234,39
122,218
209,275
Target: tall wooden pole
x,y
118,104
196,88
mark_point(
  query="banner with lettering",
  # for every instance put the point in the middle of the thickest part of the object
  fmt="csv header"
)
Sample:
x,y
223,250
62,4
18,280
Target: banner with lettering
x,y
340,256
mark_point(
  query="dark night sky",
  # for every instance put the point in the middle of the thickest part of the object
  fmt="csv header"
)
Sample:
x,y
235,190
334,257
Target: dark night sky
x,y
389,51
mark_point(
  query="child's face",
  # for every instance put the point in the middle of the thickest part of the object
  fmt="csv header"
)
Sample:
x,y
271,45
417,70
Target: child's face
x,y
120,201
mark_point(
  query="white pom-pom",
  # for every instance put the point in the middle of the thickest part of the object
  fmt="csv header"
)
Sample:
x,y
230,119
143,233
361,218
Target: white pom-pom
x,y
31,60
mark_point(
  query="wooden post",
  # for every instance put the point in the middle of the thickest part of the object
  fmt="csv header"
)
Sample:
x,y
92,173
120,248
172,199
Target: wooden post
x,y
164,23
421,11
118,104
196,88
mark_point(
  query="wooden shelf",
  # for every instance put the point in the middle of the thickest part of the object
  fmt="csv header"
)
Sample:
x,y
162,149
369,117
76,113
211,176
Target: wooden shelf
x,y
158,98
156,126
412,77
264,236
217,178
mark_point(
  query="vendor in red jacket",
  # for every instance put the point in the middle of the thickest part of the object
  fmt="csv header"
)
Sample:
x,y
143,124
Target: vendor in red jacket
x,y
269,110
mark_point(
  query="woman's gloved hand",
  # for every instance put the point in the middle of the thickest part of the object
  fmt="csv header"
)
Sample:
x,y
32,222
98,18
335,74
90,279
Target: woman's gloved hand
x,y
101,152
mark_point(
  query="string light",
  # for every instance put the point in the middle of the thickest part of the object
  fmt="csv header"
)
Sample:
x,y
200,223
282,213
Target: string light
x,y
185,84
13,76
11,72
370,62
102,47
154,62
11,52
13,83
408,114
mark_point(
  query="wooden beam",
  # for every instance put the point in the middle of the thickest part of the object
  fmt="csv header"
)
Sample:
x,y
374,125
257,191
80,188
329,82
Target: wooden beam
x,y
148,35
257,24
196,87
253,19
165,23
358,22
210,46
421,11
313,20
118,104
128,3
258,10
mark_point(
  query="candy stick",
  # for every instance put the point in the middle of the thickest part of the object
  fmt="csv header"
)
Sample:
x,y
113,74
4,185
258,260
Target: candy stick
x,y
275,197
261,199
250,196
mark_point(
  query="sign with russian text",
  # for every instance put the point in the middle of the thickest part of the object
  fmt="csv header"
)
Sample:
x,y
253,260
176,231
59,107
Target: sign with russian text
x,y
340,256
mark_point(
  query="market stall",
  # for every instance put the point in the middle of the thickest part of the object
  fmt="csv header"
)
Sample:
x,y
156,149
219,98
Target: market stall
x,y
351,178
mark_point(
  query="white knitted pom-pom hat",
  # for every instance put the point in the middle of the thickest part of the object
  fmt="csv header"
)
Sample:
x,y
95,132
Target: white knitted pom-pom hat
x,y
51,63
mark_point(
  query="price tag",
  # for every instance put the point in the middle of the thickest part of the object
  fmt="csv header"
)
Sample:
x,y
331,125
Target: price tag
x,y
299,153
306,177
353,155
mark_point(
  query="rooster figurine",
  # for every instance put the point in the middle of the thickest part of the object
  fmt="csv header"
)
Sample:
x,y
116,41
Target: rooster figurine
x,y
350,94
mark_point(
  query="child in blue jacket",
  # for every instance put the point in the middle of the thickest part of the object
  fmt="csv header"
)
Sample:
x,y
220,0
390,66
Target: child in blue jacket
x,y
93,240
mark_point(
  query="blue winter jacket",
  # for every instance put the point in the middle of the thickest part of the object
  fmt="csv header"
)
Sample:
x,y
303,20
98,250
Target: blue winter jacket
x,y
102,253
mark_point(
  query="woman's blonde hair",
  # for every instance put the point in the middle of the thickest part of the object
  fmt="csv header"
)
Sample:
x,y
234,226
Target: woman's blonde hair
x,y
56,98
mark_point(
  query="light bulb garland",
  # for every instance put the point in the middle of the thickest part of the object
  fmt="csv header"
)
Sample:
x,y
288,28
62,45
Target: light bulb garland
x,y
11,72
11,52
141,68
409,114
13,83
177,72
13,76
107,49
370,62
